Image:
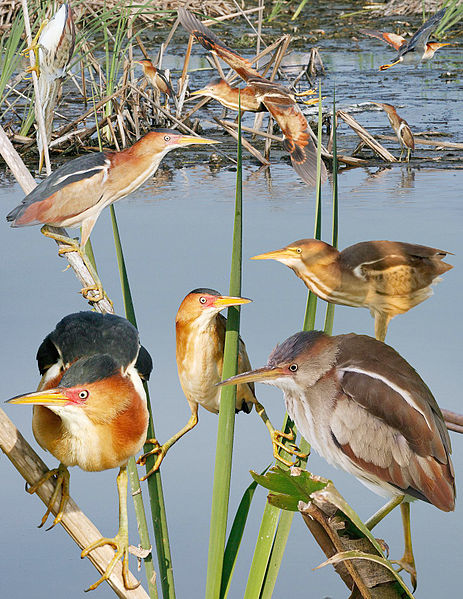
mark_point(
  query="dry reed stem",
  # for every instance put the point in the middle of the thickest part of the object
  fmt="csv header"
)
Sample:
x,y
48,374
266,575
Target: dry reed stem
x,y
428,142
366,137
74,522
245,143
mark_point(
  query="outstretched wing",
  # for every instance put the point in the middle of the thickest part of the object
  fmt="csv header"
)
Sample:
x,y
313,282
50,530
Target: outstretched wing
x,y
297,140
211,42
419,40
392,39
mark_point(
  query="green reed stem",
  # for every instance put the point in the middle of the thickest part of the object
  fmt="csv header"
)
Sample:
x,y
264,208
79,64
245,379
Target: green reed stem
x,y
158,511
225,430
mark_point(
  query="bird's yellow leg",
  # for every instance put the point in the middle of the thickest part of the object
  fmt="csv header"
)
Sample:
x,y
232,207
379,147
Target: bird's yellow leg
x,y
312,102
34,47
401,154
383,512
161,450
308,92
388,66
62,482
120,542
276,435
408,154
72,245
407,562
381,324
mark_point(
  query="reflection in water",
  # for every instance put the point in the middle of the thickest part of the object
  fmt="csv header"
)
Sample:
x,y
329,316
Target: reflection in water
x,y
407,178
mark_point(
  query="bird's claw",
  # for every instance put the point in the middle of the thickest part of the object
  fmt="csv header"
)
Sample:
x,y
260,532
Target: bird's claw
x,y
62,482
289,448
158,450
120,544
407,563
97,294
308,92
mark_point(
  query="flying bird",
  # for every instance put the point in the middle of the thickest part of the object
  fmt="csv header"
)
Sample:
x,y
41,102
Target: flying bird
x,y
90,410
416,49
260,94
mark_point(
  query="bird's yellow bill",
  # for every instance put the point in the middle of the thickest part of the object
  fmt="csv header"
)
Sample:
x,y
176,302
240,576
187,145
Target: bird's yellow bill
x,y
51,397
224,301
277,254
190,139
199,92
267,373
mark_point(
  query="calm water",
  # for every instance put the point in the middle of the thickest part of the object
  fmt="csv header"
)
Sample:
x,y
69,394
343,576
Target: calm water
x,y
177,236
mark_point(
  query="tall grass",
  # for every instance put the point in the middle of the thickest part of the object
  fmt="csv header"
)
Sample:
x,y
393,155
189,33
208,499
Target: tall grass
x,y
276,524
225,430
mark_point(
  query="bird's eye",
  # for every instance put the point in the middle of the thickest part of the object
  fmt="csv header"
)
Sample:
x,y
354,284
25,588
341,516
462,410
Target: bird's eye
x,y
83,394
166,137
293,367
299,250
202,300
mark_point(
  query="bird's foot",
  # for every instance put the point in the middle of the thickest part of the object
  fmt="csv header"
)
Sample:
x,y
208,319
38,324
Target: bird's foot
x,y
384,67
407,563
96,291
308,92
311,102
120,544
62,483
289,447
34,47
159,450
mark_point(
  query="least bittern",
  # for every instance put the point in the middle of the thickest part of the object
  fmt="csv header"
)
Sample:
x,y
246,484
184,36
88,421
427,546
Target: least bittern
x,y
387,277
76,193
90,410
365,410
416,49
260,92
200,332
401,129
53,48
157,78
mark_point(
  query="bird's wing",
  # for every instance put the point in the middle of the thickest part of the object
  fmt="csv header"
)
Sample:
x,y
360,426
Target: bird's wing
x,y
162,75
211,42
375,376
43,205
392,39
297,140
388,424
406,135
144,364
371,260
418,41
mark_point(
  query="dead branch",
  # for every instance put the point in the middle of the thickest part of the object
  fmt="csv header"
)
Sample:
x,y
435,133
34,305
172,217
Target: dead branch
x,y
74,522
366,137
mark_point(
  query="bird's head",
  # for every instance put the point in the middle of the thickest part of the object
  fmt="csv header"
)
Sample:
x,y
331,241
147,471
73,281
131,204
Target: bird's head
x,y
302,253
294,365
161,141
146,64
95,385
216,88
203,304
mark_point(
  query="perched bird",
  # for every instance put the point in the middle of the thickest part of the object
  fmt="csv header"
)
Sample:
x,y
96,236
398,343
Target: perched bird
x,y
77,191
365,410
388,277
401,129
415,50
200,332
157,78
53,48
275,98
90,410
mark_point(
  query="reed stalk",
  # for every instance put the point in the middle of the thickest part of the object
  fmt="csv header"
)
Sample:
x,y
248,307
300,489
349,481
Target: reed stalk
x,y
276,523
225,430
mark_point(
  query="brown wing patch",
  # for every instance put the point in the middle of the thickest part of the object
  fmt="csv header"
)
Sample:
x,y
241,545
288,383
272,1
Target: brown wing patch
x,y
211,42
298,142
392,39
